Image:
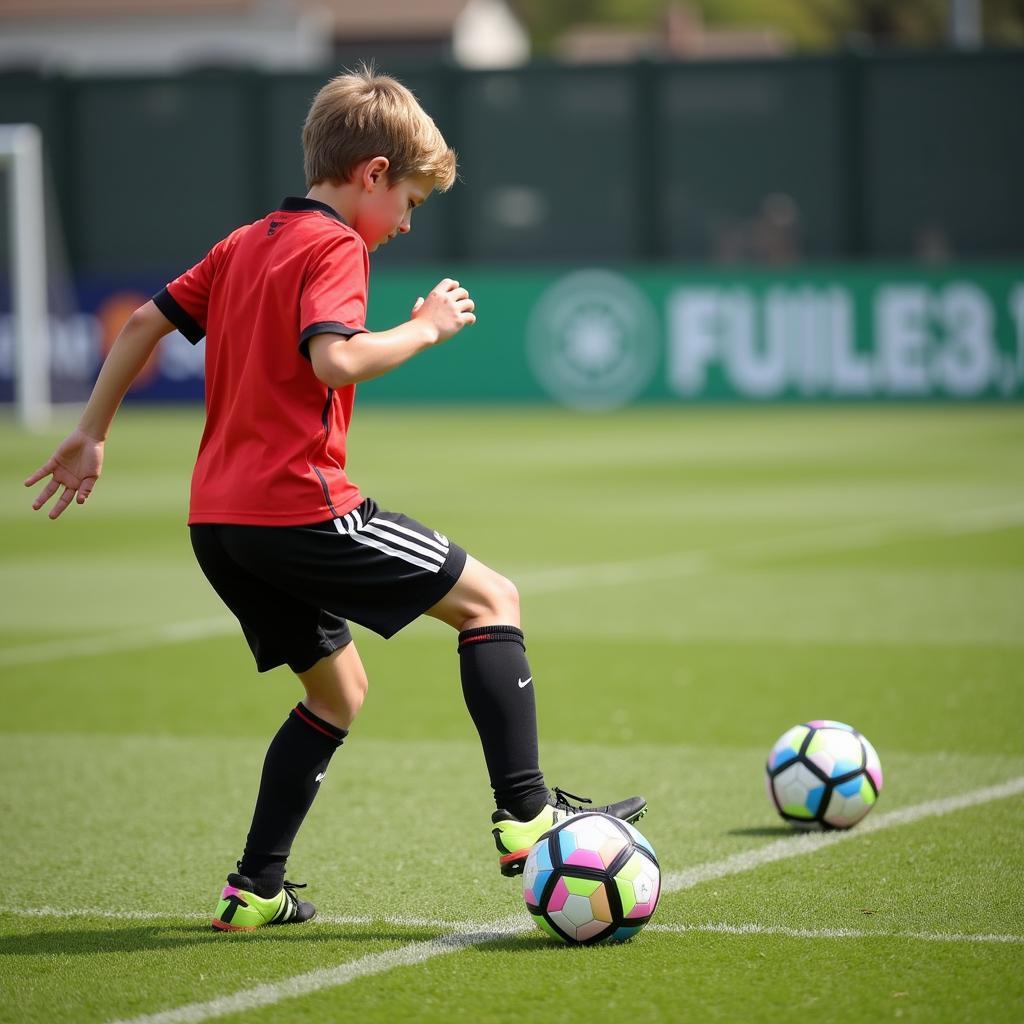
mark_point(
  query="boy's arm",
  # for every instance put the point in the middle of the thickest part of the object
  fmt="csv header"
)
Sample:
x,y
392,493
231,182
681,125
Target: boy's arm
x,y
339,360
78,460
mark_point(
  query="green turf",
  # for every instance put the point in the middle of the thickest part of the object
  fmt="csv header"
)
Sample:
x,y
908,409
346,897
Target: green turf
x,y
693,583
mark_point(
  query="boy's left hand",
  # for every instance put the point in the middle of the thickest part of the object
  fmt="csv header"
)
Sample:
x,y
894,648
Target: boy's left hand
x,y
448,308
75,466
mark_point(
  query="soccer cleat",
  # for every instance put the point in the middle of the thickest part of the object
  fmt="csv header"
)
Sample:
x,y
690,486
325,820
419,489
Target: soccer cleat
x,y
514,838
241,910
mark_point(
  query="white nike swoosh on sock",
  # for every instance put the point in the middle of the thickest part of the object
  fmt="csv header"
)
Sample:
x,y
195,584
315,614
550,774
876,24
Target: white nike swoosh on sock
x,y
525,682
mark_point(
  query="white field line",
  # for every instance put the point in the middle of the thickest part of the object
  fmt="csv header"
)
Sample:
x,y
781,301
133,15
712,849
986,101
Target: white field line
x,y
673,565
811,842
983,519
122,640
399,921
332,977
844,538
829,933
506,927
543,581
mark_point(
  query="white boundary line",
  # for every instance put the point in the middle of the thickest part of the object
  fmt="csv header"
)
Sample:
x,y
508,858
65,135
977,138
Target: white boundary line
x,y
543,581
398,921
506,927
123,640
829,933
811,842
332,977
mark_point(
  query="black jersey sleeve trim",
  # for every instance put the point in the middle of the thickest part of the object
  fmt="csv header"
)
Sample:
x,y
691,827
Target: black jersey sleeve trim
x,y
168,305
326,327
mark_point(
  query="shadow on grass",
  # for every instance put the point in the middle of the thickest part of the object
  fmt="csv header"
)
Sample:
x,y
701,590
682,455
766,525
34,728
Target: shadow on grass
x,y
776,831
147,937
526,943
541,945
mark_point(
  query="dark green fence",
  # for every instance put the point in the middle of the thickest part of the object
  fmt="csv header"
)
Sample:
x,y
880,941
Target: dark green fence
x,y
768,162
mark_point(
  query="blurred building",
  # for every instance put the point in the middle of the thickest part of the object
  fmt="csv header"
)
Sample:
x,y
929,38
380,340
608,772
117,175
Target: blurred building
x,y
157,36
681,34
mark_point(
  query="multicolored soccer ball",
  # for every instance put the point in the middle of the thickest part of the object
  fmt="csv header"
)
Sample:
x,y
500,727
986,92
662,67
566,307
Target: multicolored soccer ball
x,y
823,774
591,878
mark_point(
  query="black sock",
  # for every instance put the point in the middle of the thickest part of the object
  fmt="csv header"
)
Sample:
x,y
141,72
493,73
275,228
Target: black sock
x,y
296,761
498,688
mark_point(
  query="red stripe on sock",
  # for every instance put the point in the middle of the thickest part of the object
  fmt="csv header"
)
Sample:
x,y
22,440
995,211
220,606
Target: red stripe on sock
x,y
476,639
309,721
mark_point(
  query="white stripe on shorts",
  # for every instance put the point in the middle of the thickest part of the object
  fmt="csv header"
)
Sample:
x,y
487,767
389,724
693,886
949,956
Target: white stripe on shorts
x,y
387,538
441,546
385,531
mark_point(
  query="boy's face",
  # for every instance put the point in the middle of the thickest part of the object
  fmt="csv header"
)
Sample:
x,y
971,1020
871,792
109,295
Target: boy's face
x,y
386,210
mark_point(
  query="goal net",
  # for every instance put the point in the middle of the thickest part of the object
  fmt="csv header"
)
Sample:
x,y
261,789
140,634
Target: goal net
x,y
45,358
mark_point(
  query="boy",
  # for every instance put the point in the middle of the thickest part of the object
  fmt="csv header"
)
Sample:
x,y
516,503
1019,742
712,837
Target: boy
x,y
284,537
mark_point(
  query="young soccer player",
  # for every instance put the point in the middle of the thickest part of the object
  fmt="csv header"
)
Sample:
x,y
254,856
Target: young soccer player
x,y
283,535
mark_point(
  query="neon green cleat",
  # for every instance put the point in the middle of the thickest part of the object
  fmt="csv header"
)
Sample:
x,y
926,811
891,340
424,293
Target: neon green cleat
x,y
241,910
514,838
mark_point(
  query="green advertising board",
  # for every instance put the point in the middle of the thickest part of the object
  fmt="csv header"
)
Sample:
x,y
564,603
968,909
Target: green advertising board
x,y
598,338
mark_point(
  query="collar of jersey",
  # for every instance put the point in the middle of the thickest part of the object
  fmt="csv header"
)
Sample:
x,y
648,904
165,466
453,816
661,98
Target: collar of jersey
x,y
299,204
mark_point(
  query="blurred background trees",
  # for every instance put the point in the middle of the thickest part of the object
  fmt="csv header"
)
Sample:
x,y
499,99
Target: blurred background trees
x,y
805,24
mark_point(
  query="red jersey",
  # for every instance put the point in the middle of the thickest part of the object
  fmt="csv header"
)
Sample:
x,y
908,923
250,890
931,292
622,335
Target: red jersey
x,y
273,450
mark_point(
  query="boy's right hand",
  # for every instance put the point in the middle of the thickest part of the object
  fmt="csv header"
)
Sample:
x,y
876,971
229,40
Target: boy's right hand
x,y
448,308
75,465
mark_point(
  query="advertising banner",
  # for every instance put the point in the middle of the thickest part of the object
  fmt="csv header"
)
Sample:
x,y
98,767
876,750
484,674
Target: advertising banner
x,y
599,338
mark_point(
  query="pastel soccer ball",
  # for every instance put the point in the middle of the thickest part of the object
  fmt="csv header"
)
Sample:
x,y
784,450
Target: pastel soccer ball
x,y
590,879
823,775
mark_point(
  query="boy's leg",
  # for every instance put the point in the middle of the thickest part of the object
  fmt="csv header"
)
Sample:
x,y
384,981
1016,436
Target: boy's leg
x,y
297,761
336,686
497,684
245,566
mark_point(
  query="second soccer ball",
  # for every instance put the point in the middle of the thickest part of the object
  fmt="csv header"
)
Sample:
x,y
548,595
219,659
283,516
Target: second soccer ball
x,y
823,774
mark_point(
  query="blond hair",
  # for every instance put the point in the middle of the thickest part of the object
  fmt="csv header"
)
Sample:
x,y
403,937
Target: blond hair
x,y
361,114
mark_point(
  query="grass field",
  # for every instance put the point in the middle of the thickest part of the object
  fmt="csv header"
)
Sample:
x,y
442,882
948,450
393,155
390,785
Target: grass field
x,y
694,582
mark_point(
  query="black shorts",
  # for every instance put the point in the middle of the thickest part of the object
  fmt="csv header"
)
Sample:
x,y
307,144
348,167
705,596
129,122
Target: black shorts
x,y
292,588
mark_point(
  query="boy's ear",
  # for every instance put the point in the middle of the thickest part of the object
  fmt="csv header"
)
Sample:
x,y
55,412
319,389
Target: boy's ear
x,y
374,172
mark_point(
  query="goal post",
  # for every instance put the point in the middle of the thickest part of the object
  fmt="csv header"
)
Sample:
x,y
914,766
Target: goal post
x,y
21,154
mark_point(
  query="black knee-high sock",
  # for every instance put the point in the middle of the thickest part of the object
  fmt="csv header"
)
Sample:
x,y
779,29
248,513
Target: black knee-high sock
x,y
296,762
498,687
